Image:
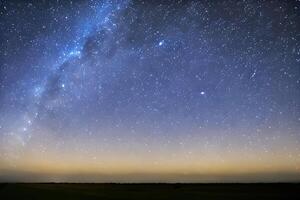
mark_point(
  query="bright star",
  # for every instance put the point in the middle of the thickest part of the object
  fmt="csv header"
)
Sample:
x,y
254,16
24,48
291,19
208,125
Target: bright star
x,y
161,43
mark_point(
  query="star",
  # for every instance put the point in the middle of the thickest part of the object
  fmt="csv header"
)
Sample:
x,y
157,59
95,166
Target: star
x,y
161,43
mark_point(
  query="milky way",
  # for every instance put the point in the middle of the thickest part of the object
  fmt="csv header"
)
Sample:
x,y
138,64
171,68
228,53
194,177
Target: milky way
x,y
149,91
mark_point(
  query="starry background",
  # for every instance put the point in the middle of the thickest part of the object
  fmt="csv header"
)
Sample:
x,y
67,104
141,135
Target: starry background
x,y
131,91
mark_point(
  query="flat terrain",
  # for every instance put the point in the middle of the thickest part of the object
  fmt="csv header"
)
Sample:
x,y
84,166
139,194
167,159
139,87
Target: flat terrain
x,y
149,191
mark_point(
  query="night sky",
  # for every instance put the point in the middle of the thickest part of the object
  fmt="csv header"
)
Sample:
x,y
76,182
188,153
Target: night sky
x,y
138,91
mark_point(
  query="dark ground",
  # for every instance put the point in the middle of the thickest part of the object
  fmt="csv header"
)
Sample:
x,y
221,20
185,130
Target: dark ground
x,y
149,191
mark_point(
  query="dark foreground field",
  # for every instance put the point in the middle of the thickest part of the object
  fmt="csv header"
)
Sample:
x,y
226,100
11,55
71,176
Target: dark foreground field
x,y
149,191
